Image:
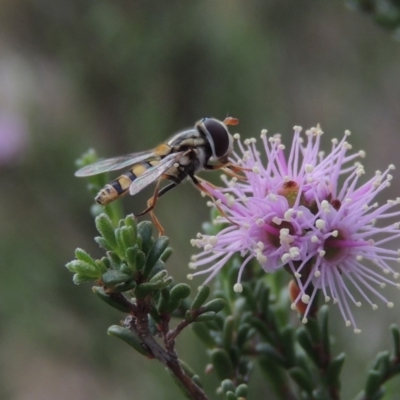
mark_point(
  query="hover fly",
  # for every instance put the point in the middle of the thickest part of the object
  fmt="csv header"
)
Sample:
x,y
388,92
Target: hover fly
x,y
205,147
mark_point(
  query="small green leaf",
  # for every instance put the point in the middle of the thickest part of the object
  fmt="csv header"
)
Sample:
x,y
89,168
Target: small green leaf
x,y
78,279
140,260
163,301
113,277
383,361
125,286
202,295
120,242
230,396
101,265
374,381
203,333
167,254
313,329
334,369
222,363
155,253
227,332
114,259
227,386
103,243
99,291
179,292
147,288
106,229
305,341
270,352
323,318
131,253
396,340
160,276
207,316
145,231
241,390
302,379
82,255
130,221
287,340
128,236
215,305
84,269
128,337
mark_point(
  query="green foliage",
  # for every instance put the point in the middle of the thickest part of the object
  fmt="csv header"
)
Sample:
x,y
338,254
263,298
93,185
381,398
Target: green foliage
x,y
238,330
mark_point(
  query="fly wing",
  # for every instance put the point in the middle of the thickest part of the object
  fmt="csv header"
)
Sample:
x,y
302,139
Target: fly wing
x,y
153,173
115,163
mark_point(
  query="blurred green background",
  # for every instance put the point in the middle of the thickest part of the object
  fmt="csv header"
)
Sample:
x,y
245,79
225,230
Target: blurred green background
x,y
121,76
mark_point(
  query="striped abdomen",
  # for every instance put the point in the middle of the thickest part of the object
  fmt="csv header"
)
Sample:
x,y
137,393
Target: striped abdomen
x,y
120,186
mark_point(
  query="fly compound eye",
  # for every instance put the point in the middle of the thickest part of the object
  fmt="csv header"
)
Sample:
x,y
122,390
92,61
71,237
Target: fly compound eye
x,y
218,136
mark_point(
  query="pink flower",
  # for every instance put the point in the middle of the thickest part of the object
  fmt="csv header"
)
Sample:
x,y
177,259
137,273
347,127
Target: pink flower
x,y
295,212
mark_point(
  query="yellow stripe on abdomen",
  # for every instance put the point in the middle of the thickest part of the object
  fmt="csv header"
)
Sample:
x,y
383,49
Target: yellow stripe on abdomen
x,y
119,187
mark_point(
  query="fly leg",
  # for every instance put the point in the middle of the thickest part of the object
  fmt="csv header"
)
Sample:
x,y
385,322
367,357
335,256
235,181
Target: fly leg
x,y
151,203
196,181
230,169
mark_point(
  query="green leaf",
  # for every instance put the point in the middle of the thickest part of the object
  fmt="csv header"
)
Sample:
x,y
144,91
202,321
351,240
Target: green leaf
x,y
84,269
147,288
227,386
302,379
374,381
230,396
113,277
179,292
334,369
159,276
128,337
114,259
128,236
103,243
140,260
82,255
131,253
167,253
78,279
207,316
163,301
155,253
222,363
243,334
271,353
145,231
305,341
227,332
106,229
99,291
396,340
323,318
215,305
203,333
287,340
202,295
242,390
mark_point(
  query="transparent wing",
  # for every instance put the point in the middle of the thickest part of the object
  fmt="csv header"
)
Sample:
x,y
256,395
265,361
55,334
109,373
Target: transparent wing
x,y
115,163
154,173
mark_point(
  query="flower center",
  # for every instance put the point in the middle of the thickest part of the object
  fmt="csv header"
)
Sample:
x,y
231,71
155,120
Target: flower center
x,y
273,230
335,247
290,191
